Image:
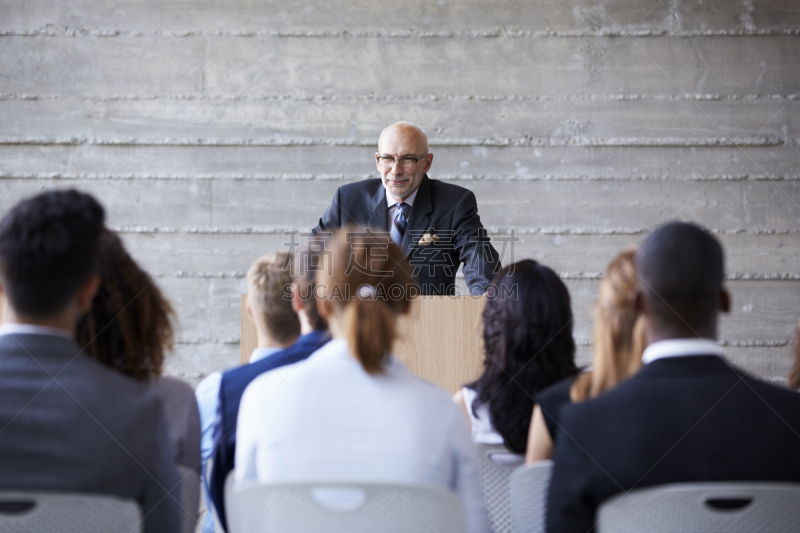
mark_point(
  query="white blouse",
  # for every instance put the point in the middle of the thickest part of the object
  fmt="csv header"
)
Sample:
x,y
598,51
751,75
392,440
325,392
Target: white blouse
x,y
326,419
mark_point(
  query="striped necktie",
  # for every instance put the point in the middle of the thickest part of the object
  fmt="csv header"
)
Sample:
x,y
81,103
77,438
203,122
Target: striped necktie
x,y
399,223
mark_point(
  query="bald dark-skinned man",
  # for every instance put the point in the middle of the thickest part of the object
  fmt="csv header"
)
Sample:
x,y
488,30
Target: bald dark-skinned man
x,y
436,224
689,414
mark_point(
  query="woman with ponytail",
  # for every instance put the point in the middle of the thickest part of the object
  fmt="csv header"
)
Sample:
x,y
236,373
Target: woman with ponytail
x,y
619,341
351,411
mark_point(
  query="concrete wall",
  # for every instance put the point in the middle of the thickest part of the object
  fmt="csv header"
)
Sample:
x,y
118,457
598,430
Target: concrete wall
x,y
209,128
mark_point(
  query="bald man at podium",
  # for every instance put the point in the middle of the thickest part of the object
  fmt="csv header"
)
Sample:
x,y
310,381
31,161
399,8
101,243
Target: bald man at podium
x,y
436,224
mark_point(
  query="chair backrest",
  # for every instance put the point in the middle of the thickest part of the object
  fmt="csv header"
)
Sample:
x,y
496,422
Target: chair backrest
x,y
529,486
496,466
67,512
342,508
190,498
721,507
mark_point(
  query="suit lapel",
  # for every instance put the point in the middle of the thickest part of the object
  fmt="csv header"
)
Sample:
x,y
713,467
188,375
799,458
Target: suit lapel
x,y
419,216
378,210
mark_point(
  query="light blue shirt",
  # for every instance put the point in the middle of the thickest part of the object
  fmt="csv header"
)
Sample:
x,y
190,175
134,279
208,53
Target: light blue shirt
x,y
207,394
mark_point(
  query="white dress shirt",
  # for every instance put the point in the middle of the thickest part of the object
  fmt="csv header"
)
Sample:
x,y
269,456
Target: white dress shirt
x,y
207,394
325,419
392,202
681,348
32,329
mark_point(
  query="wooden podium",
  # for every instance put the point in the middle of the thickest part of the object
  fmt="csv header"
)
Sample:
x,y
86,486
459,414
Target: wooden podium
x,y
440,340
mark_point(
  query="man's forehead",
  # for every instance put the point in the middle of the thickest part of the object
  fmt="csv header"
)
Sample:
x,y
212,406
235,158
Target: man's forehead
x,y
401,141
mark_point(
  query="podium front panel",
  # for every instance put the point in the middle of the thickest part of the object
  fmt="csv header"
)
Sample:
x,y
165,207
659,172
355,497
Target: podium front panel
x,y
440,340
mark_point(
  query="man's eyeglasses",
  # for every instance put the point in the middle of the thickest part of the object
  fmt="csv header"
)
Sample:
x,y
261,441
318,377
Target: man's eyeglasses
x,y
404,162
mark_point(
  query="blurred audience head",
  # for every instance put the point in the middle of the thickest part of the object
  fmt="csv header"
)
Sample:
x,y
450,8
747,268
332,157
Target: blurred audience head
x,y
269,302
794,375
619,337
129,326
48,247
307,263
681,269
365,283
527,334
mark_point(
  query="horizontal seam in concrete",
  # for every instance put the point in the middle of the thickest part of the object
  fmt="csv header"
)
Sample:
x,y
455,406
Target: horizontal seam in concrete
x,y
358,177
578,342
500,142
578,276
408,97
492,230
494,32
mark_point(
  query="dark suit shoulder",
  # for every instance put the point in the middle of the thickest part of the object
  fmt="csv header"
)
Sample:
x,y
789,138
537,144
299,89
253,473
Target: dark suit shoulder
x,y
442,189
359,190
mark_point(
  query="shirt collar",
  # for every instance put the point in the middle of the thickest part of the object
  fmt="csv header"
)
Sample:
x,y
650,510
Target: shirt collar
x,y
391,200
33,329
681,348
261,353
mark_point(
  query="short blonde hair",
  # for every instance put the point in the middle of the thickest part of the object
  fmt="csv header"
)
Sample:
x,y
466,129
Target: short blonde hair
x,y
269,288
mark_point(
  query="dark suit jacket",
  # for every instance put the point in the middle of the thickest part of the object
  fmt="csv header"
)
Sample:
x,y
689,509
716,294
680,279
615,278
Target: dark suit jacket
x,y
679,419
90,430
231,388
448,210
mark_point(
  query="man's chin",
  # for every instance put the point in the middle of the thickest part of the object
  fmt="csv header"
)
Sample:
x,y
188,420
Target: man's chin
x,y
399,189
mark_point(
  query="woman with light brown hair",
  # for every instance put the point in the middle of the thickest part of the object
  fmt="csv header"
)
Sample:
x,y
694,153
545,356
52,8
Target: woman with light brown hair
x,y
619,341
351,411
794,375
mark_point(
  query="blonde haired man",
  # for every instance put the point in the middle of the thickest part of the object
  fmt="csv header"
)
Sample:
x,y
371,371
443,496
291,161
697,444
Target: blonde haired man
x,y
277,327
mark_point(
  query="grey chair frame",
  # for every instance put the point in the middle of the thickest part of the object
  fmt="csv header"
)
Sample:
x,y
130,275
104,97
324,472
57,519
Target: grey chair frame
x,y
68,512
495,479
529,486
719,507
366,507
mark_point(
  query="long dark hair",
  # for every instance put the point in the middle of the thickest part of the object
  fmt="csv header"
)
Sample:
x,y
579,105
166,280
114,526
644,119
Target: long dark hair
x,y
527,334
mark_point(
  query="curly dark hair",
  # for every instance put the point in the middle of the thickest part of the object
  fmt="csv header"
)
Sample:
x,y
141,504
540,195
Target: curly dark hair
x,y
527,334
130,324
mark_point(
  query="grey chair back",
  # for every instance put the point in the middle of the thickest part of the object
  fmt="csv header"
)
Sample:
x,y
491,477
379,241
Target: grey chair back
x,y
341,508
67,512
496,466
529,485
721,507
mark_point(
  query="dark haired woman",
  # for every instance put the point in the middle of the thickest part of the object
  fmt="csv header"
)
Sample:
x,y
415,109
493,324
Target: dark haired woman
x,y
351,411
527,334
129,328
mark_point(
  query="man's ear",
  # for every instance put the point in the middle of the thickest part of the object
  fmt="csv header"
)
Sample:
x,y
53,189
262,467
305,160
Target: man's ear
x,y
324,308
87,292
428,162
724,301
249,309
377,165
297,299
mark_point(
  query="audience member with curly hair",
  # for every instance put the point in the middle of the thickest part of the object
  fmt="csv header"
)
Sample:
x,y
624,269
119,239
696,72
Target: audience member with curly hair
x,y
129,328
